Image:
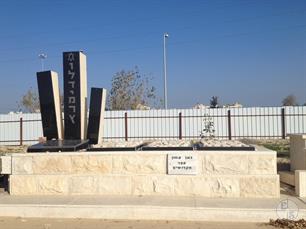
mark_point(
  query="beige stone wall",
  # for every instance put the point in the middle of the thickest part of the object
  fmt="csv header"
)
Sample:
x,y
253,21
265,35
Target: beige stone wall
x,y
220,174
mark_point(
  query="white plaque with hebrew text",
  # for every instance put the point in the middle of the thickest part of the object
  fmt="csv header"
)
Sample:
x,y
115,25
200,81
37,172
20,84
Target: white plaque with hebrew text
x,y
182,163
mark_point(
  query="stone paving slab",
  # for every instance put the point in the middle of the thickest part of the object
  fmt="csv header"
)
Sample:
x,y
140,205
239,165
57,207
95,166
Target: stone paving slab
x,y
145,208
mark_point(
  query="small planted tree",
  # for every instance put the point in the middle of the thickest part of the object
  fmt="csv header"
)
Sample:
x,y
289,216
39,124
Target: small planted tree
x,y
209,127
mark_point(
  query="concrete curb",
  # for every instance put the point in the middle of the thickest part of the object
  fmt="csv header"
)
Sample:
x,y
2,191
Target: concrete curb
x,y
140,212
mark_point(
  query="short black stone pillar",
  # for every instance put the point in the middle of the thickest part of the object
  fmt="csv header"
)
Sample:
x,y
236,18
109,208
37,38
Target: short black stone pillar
x,y
96,115
50,105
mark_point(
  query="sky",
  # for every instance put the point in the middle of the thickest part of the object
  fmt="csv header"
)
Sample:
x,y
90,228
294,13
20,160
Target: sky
x,y
247,51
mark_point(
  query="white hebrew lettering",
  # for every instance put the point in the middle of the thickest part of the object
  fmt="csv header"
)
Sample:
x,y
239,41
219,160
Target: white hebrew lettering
x,y
71,65
71,57
72,83
71,99
72,118
71,74
72,108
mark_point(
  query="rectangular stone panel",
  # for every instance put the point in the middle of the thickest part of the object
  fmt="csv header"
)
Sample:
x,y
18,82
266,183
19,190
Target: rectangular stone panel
x,y
5,165
75,95
50,105
96,115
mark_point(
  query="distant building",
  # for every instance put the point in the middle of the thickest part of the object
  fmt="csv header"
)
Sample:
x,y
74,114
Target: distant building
x,y
142,107
234,105
200,106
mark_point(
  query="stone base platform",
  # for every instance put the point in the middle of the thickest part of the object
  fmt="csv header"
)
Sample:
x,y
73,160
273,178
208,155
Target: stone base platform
x,y
230,174
149,208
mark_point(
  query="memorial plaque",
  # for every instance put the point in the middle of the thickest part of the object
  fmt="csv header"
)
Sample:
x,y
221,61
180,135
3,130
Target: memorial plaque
x,y
50,106
75,95
182,163
96,115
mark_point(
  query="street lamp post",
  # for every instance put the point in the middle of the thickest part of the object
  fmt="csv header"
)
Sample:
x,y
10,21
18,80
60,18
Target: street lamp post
x,y
166,35
42,58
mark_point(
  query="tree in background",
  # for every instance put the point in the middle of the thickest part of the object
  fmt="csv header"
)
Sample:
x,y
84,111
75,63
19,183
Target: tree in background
x,y
290,100
29,101
214,103
130,90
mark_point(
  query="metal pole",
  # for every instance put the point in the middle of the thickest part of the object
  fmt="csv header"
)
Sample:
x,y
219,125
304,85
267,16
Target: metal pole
x,y
42,65
180,126
229,125
166,35
21,131
126,126
283,121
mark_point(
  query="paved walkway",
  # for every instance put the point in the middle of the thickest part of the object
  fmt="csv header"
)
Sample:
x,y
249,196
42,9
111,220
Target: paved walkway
x,y
30,223
151,208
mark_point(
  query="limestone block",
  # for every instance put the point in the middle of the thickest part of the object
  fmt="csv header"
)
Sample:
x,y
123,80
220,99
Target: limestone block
x,y
91,164
164,185
297,152
224,187
22,165
5,165
218,163
264,186
142,185
52,185
287,177
115,185
83,185
262,164
52,164
300,183
23,185
192,186
139,163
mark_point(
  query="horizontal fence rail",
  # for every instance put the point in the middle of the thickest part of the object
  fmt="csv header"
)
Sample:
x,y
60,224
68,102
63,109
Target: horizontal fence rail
x,y
233,123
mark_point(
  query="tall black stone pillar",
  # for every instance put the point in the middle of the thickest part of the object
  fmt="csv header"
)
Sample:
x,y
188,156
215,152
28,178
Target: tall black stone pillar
x,y
50,105
75,95
96,115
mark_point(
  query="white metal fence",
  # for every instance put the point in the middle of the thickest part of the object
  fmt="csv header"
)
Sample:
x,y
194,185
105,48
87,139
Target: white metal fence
x,y
253,122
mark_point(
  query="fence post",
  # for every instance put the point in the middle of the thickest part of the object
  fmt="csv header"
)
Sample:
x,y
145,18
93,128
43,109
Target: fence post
x,y
21,131
126,126
180,126
283,123
229,125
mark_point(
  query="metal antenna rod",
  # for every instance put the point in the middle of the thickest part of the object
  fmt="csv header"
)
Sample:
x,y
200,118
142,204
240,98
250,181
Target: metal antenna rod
x,y
166,35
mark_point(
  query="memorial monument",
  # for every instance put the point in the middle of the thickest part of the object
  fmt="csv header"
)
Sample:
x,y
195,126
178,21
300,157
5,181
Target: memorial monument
x,y
74,136
199,167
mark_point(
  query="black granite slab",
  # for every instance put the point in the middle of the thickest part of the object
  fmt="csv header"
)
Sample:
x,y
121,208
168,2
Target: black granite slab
x,y
47,105
93,128
224,148
72,95
59,146
136,148
148,148
112,149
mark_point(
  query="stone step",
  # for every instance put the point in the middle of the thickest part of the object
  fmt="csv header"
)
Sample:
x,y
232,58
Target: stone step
x,y
149,208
